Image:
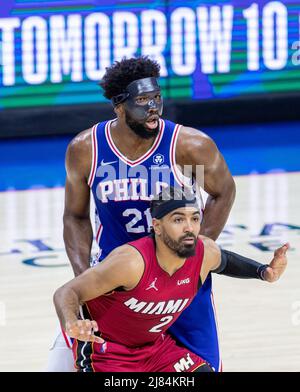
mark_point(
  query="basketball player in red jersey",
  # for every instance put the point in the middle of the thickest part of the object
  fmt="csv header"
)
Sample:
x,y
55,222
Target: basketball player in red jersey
x,y
141,288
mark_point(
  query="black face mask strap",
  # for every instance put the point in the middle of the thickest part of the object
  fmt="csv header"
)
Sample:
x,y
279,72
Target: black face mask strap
x,y
117,99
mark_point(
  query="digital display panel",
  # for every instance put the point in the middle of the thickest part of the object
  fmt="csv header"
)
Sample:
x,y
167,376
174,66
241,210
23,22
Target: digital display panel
x,y
55,52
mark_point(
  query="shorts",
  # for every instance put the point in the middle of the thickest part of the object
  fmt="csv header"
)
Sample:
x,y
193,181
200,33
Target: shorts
x,y
164,355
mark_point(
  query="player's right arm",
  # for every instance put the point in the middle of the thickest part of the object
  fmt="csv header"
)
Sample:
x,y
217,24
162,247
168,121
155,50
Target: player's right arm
x,y
232,264
78,233
123,267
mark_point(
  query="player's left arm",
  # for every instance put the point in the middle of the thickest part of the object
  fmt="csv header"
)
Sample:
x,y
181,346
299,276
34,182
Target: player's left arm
x,y
123,267
196,148
232,264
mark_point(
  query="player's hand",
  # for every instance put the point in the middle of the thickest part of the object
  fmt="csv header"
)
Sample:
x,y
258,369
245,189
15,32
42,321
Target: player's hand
x,y
83,330
277,265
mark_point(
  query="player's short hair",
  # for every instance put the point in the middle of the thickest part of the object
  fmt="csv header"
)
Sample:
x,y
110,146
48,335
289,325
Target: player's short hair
x,y
121,73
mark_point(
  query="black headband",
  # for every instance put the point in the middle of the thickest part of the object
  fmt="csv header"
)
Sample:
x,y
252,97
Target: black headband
x,y
171,205
137,87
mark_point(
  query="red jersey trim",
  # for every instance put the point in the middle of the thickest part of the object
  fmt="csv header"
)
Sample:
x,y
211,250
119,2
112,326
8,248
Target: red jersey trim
x,y
67,339
94,156
174,168
99,232
118,153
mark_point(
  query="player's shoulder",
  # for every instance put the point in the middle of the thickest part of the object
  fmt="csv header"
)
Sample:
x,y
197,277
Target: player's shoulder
x,y
211,249
187,133
125,249
192,141
123,264
132,257
128,263
81,143
79,155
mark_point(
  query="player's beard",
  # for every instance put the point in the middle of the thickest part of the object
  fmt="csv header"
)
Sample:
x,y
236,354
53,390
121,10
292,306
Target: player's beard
x,y
181,249
139,128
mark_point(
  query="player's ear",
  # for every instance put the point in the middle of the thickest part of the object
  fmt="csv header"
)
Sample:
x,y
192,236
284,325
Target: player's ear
x,y
119,110
156,226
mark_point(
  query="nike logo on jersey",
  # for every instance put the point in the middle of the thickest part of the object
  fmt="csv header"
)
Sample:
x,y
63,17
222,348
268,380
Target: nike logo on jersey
x,y
107,163
184,281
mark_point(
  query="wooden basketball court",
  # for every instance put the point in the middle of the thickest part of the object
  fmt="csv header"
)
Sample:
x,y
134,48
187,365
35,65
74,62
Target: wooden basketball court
x,y
259,323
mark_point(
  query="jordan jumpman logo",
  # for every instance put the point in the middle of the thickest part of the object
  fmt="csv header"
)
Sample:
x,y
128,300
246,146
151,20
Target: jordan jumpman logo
x,y
152,285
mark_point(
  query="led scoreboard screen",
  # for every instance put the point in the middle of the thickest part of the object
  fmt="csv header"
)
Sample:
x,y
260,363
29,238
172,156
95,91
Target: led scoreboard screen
x,y
55,52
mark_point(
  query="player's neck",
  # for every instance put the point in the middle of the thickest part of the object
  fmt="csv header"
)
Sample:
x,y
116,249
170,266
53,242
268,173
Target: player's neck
x,y
130,144
167,259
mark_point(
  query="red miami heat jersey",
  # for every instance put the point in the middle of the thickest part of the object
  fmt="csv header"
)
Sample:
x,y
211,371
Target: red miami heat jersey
x,y
139,316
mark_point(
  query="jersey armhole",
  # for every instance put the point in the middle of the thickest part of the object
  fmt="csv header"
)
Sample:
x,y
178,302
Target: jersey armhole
x,y
176,172
94,156
181,179
198,283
